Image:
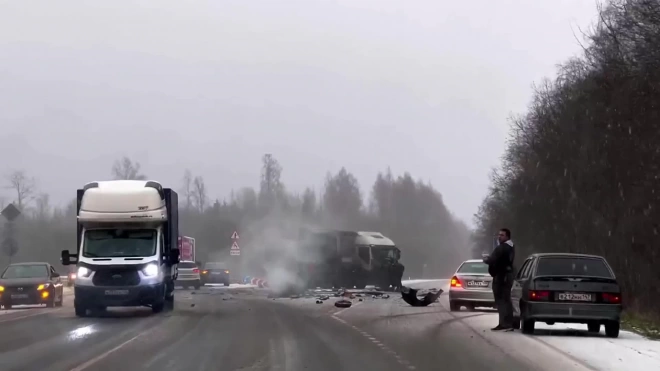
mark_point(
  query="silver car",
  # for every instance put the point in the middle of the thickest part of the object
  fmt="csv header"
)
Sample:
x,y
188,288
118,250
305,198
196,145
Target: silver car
x,y
470,286
188,275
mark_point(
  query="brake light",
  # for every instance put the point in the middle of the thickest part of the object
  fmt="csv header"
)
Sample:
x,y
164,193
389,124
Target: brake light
x,y
195,270
611,298
539,295
455,282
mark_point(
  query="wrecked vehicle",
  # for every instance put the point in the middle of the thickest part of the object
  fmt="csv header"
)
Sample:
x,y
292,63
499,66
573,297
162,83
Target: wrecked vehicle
x,y
349,259
411,297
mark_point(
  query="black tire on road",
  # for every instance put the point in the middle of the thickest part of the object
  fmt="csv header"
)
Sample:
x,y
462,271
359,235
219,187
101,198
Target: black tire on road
x,y
612,329
80,310
454,306
593,327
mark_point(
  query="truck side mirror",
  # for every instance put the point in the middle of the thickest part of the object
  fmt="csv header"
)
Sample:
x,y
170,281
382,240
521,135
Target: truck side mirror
x,y
67,258
174,257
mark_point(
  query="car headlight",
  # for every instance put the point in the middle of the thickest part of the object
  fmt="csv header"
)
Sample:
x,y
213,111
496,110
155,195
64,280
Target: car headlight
x,y
84,272
150,270
2,288
43,286
73,276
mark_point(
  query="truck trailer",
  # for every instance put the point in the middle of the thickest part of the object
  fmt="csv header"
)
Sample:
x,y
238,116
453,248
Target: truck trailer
x,y
127,246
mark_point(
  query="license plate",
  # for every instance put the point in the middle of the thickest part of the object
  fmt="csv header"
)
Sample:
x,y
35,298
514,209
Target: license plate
x,y
477,283
19,296
570,296
216,273
116,292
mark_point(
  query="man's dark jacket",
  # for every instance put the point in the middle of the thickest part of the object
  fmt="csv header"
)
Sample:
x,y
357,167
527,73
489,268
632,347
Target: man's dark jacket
x,y
500,262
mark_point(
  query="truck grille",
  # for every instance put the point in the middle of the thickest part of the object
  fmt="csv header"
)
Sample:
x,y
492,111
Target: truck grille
x,y
116,277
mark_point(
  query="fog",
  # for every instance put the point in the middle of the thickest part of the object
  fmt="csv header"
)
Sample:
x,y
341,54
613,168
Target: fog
x,y
424,87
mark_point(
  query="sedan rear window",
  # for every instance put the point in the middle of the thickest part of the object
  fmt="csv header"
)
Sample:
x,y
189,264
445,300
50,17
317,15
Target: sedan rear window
x,y
187,265
473,268
560,266
214,266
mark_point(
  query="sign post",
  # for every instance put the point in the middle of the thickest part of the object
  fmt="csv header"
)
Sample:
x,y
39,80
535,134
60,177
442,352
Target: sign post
x,y
9,243
235,249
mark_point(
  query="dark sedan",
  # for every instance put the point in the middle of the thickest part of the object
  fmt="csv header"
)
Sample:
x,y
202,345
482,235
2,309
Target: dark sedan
x,y
30,284
214,272
567,288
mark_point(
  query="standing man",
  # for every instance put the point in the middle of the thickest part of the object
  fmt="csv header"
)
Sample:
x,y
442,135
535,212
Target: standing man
x,y
500,267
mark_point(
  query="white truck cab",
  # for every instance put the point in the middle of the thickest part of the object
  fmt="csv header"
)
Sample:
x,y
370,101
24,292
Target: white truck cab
x,y
127,246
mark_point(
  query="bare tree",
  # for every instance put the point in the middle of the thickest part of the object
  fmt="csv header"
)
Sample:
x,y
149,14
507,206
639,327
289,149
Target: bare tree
x,y
127,169
23,187
199,195
42,208
187,189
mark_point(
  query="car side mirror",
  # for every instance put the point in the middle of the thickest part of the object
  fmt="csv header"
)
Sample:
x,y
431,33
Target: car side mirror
x,y
174,257
67,258
55,275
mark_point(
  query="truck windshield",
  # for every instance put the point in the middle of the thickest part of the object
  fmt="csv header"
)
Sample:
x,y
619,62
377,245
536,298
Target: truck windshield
x,y
119,243
384,253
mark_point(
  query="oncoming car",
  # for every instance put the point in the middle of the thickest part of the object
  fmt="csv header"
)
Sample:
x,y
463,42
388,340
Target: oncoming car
x,y
567,288
30,284
470,286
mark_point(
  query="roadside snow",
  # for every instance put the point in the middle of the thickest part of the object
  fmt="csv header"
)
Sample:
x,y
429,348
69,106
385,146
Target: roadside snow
x,y
580,349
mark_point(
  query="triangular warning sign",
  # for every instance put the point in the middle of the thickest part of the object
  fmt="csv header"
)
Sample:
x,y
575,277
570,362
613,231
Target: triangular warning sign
x,y
234,236
234,246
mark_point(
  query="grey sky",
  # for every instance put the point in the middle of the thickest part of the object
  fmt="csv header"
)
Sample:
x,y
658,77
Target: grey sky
x,y
423,86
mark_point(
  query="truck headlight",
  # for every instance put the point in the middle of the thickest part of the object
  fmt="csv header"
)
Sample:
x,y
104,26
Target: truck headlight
x,y
84,272
150,270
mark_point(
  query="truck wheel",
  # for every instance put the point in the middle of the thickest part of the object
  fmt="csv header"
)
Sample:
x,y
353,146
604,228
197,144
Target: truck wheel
x,y
158,307
198,285
51,303
80,310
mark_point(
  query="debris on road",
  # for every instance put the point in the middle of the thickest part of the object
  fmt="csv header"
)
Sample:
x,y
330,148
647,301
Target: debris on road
x,y
343,303
410,296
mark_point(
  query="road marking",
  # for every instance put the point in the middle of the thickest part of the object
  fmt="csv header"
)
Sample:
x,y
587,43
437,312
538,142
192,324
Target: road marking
x,y
374,340
342,310
45,311
104,355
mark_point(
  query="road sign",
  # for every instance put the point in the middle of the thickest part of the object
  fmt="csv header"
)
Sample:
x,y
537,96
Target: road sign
x,y
234,246
234,236
235,252
11,212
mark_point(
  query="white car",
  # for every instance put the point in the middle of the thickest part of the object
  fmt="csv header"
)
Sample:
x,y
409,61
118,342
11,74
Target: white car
x,y
188,275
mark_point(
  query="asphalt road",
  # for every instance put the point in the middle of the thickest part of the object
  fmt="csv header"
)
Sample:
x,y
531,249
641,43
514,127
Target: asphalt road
x,y
241,329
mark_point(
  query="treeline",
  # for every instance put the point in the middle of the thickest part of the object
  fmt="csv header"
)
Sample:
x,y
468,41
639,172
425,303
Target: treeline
x,y
581,172
410,212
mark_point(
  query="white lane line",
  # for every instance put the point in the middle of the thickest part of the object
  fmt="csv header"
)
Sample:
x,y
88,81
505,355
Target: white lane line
x,y
382,346
45,311
94,360
342,310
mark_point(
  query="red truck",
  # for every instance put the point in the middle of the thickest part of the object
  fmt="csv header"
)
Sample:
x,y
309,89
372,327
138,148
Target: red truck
x,y
187,248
